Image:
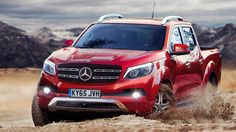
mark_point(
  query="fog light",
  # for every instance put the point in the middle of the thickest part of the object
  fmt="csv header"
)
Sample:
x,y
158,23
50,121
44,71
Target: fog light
x,y
136,95
46,90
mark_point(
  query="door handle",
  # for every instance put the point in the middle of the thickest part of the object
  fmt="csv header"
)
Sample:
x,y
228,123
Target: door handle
x,y
188,64
201,61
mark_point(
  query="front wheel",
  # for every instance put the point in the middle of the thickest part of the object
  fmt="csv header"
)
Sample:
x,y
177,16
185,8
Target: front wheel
x,y
164,100
40,118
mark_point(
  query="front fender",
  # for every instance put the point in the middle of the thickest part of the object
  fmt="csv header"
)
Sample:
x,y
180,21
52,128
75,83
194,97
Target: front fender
x,y
162,73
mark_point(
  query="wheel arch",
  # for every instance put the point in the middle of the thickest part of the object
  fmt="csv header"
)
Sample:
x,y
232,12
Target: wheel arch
x,y
167,78
211,72
167,82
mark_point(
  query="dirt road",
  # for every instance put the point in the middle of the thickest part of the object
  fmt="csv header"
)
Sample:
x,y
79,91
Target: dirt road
x,y
17,88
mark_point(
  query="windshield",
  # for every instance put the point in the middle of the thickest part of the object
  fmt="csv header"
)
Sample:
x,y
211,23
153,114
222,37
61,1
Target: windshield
x,y
123,36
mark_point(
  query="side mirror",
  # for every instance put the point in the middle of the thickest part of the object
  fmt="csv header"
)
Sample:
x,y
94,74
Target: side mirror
x,y
68,43
181,49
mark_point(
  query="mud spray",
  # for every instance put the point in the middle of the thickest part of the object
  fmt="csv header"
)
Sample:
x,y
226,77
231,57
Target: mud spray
x,y
210,107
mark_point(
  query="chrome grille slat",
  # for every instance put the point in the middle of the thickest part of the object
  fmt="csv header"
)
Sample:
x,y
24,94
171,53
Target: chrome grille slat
x,y
68,69
107,70
105,77
68,76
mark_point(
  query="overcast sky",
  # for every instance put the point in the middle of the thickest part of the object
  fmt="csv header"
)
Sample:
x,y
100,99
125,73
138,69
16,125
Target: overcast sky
x,y
34,14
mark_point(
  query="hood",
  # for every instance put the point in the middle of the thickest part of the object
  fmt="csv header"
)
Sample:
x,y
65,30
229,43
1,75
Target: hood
x,y
100,56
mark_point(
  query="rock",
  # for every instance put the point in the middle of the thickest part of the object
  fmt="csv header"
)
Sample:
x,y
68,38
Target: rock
x,y
19,50
223,38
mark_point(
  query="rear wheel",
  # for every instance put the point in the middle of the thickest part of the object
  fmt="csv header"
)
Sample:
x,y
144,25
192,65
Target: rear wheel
x,y
209,92
165,100
40,118
213,82
211,88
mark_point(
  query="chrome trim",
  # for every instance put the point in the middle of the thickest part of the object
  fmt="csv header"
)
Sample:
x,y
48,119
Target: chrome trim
x,y
52,106
85,72
109,16
167,19
94,77
68,76
68,69
107,70
105,77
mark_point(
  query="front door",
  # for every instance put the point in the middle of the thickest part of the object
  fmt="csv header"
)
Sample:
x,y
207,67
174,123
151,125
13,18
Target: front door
x,y
181,67
195,60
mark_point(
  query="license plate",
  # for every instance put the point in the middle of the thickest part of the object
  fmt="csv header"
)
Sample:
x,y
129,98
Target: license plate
x,y
82,93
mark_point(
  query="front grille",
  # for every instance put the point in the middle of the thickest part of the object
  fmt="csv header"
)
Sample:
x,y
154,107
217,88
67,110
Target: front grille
x,y
91,105
100,73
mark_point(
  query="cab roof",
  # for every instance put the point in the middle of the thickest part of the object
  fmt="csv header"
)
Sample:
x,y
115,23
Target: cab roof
x,y
167,21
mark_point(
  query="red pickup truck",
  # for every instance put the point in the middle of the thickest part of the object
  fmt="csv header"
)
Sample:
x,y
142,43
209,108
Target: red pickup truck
x,y
141,66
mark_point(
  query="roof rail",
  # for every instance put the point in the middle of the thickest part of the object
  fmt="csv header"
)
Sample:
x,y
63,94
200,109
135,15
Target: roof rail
x,y
168,18
109,16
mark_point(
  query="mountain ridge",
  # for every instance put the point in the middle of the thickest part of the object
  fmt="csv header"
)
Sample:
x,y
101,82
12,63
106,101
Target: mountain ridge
x,y
21,49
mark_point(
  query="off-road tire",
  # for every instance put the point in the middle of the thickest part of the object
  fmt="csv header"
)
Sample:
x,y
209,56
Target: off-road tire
x,y
40,118
168,95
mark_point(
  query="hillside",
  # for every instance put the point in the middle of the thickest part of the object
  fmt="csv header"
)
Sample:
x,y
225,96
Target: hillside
x,y
224,38
19,49
22,49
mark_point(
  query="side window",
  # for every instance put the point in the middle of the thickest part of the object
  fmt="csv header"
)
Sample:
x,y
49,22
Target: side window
x,y
175,38
188,37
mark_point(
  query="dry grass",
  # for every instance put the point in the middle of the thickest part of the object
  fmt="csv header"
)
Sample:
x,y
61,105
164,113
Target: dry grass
x,y
228,80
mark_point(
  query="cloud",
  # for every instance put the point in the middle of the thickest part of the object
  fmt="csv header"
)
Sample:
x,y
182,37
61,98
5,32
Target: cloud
x,y
33,14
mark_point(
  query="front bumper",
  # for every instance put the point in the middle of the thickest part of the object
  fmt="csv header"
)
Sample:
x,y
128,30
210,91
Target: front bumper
x,y
83,105
110,101
125,104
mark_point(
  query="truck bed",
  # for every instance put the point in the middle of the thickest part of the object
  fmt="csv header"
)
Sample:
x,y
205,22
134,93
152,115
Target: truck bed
x,y
210,53
207,47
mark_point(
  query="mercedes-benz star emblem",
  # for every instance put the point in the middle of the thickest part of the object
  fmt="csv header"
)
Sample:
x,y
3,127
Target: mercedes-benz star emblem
x,y
85,73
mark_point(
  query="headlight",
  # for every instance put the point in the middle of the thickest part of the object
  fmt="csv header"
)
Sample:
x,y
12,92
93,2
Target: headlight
x,y
138,71
49,67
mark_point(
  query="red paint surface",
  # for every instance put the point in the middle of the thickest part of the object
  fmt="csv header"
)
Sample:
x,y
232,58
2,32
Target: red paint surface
x,y
183,80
